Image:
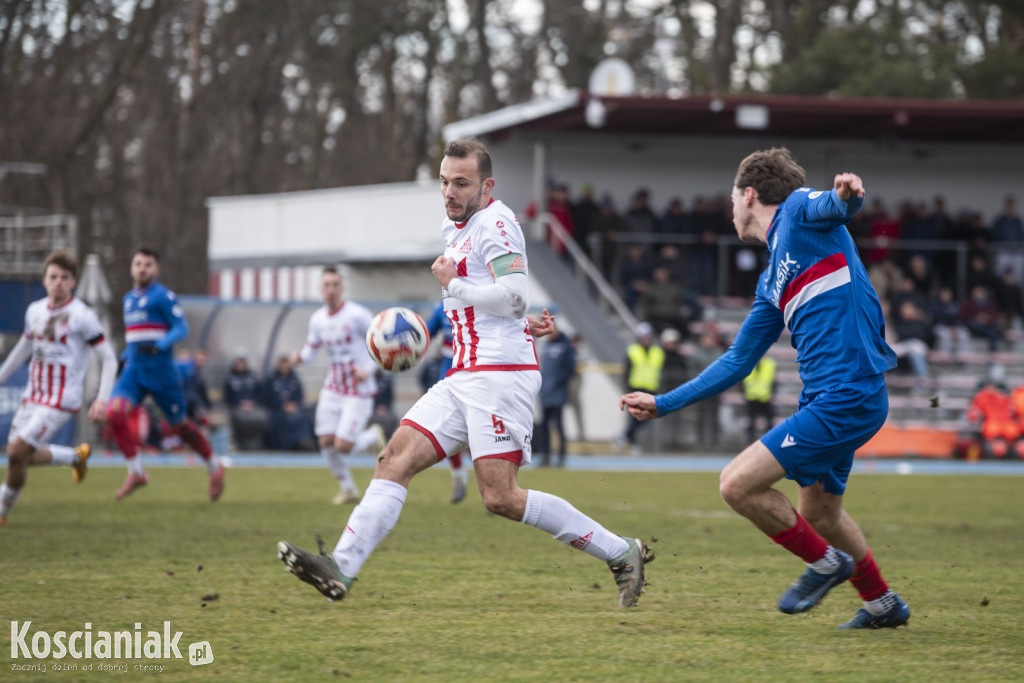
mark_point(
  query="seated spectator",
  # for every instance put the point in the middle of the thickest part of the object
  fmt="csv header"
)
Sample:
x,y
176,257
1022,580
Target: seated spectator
x,y
946,324
982,317
243,396
913,333
1009,299
290,426
190,373
662,303
991,414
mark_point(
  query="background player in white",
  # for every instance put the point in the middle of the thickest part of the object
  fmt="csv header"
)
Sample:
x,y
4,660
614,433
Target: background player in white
x,y
487,402
60,331
346,398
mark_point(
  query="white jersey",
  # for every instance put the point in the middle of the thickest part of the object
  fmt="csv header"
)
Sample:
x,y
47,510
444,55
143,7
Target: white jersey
x,y
61,339
483,341
343,335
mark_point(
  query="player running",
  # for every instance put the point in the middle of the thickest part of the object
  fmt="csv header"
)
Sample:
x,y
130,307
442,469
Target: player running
x,y
60,331
153,324
487,400
345,405
817,287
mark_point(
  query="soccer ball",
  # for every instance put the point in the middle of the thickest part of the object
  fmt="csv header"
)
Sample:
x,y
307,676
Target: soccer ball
x,y
397,339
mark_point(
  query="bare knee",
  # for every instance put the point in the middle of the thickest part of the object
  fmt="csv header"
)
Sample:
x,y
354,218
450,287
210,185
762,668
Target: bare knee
x,y
19,453
343,445
732,489
502,504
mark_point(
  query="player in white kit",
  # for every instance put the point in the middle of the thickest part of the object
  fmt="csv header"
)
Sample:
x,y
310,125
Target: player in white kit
x,y
486,402
60,332
350,385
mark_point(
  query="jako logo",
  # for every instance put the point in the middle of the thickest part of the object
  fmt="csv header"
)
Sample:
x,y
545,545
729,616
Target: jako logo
x,y
101,644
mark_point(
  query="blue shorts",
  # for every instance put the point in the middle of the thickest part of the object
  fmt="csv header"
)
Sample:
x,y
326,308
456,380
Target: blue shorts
x,y
817,442
137,380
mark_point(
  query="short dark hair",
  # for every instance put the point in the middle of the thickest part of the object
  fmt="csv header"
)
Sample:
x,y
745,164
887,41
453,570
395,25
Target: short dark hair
x,y
62,259
463,149
148,251
329,270
772,173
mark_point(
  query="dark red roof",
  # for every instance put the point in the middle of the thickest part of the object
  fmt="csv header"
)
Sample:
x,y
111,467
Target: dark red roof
x,y
800,116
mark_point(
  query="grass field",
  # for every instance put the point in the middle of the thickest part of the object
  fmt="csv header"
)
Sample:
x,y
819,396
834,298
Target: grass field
x,y
454,594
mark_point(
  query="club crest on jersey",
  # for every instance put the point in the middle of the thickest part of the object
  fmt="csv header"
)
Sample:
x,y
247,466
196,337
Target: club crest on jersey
x,y
467,246
517,265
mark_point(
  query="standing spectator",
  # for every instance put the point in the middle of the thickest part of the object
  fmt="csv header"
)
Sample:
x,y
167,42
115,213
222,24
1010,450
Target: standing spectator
x,y
1008,240
608,226
640,217
673,373
290,426
243,394
709,348
982,317
704,259
584,213
644,361
575,403
884,229
946,229
557,367
758,391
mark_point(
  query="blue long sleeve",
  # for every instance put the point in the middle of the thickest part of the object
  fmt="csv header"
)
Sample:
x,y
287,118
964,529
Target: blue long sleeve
x,y
759,331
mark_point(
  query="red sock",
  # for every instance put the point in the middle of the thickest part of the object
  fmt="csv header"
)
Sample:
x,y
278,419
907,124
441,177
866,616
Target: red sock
x,y
456,460
868,580
117,417
194,438
803,541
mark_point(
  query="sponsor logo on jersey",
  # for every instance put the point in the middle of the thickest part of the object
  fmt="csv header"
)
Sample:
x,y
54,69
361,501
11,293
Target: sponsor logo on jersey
x,y
467,246
788,441
517,265
786,266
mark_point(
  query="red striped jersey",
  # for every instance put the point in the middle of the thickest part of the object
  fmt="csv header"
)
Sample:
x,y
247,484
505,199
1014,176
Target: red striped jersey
x,y
482,341
342,334
816,286
62,339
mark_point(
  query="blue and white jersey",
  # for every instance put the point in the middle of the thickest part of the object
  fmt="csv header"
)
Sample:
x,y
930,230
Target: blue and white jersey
x,y
817,287
152,316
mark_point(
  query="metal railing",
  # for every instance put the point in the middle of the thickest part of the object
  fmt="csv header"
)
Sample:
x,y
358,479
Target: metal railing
x,y
26,241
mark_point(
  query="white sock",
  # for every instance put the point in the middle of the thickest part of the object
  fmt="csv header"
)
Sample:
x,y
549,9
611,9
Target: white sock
x,y
881,605
827,564
366,441
370,522
570,526
8,497
213,463
339,468
135,465
63,456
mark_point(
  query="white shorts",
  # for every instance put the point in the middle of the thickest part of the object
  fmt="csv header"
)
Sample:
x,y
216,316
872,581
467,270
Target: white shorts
x,y
36,424
342,416
490,411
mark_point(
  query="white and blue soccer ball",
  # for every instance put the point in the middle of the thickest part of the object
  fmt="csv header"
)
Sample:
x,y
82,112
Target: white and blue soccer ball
x,y
397,339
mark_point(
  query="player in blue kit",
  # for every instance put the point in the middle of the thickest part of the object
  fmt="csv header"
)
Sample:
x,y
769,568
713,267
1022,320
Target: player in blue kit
x,y
816,287
153,323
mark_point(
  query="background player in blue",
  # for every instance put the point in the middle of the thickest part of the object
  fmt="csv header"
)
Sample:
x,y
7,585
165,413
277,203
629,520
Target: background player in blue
x,y
153,323
816,286
438,322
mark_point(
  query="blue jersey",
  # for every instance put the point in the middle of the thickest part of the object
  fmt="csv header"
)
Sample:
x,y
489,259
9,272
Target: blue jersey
x,y
152,316
438,322
816,286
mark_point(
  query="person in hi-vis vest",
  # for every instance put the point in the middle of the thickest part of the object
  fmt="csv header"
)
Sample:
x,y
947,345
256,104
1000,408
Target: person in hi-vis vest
x,y
644,361
758,389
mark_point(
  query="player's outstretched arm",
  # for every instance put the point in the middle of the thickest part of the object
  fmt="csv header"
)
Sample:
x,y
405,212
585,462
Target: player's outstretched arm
x,y
848,185
640,405
108,372
19,355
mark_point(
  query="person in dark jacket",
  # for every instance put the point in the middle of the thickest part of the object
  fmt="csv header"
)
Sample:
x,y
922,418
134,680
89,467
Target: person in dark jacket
x,y
243,396
557,367
290,427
